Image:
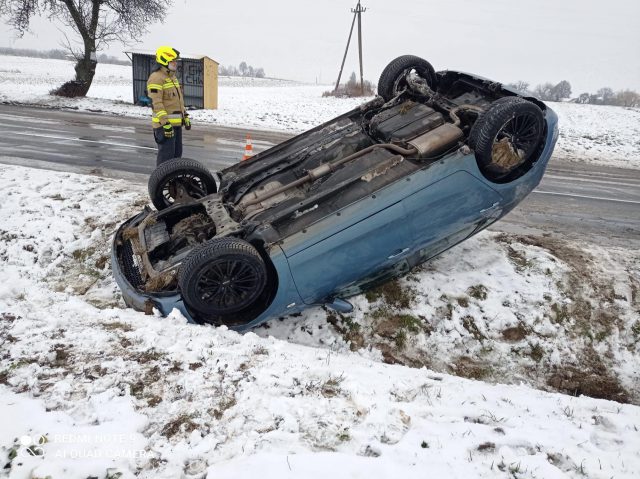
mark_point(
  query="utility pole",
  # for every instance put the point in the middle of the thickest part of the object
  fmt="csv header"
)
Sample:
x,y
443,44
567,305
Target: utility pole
x,y
357,13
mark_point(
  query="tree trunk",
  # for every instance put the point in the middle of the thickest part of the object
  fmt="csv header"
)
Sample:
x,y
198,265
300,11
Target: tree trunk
x,y
85,70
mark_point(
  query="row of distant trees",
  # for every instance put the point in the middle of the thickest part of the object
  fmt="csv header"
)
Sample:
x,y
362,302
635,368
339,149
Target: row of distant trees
x,y
242,70
544,91
57,54
606,96
562,91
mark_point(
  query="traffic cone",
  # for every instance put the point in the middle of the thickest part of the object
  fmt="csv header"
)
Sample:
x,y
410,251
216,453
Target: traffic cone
x,y
248,149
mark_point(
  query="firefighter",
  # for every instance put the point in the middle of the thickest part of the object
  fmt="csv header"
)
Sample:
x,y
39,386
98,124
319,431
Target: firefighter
x,y
169,114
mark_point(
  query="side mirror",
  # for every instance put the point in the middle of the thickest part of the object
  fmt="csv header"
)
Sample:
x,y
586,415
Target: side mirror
x,y
340,305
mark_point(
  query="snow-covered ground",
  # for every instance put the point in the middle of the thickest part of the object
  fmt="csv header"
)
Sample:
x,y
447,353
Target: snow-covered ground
x,y
267,104
597,134
604,135
97,390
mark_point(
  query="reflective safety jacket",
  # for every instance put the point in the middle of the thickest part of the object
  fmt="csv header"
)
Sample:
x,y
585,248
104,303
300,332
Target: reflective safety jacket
x,y
168,103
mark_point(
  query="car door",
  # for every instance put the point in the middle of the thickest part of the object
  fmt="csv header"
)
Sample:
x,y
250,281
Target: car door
x,y
360,249
448,211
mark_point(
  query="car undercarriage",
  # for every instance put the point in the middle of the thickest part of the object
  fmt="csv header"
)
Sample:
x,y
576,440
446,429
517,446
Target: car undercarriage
x,y
421,118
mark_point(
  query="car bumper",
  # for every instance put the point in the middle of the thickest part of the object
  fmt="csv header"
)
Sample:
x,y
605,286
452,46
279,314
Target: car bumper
x,y
286,300
123,267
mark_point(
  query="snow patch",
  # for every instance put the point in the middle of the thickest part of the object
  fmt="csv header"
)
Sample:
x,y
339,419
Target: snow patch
x,y
159,398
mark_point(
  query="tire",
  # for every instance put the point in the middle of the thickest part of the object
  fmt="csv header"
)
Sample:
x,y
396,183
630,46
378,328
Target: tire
x,y
478,123
392,78
178,180
508,138
222,278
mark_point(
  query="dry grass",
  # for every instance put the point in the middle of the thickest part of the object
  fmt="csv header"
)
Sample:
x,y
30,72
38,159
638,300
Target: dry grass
x,y
471,368
515,334
590,377
347,328
352,89
393,294
181,424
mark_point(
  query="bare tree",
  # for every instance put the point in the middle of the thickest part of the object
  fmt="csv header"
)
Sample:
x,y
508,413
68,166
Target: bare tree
x,y
352,89
544,91
228,71
561,90
520,85
606,95
627,98
241,70
583,98
96,22
352,80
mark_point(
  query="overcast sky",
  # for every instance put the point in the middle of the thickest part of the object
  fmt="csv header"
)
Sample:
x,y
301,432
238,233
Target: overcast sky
x,y
590,43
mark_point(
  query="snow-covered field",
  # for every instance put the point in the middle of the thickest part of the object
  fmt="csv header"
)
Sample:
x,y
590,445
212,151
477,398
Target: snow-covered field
x,y
267,104
604,135
597,134
97,390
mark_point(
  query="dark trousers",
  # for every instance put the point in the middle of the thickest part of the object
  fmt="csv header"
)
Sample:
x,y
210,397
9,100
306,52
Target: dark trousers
x,y
168,148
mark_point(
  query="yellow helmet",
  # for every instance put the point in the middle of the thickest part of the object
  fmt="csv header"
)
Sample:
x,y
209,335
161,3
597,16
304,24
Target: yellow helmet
x,y
164,55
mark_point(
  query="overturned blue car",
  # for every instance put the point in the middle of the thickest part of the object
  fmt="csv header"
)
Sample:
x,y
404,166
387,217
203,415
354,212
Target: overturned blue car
x,y
435,158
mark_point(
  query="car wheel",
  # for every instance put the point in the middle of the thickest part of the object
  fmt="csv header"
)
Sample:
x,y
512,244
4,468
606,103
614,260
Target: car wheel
x,y
179,180
393,79
508,138
222,278
474,131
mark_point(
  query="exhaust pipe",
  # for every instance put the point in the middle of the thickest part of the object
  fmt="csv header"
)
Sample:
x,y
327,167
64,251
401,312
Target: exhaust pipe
x,y
429,144
437,140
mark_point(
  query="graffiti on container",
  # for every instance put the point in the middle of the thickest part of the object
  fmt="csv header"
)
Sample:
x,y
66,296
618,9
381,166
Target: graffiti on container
x,y
192,74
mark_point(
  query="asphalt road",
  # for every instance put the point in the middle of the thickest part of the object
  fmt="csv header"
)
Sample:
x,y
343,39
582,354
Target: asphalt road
x,y
576,200
50,138
581,201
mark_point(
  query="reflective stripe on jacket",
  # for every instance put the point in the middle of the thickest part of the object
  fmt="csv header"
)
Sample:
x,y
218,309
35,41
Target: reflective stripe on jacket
x,y
167,99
